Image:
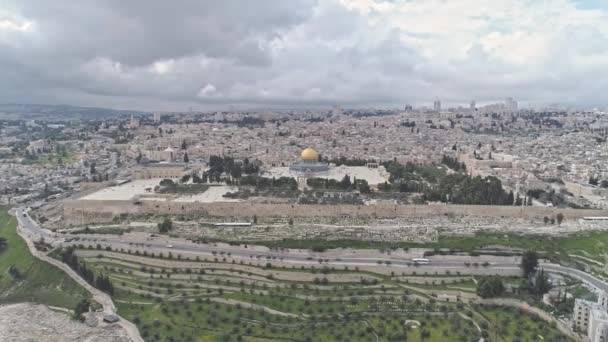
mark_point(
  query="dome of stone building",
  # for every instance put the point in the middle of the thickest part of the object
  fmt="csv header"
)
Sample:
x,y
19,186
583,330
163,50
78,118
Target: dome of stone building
x,y
309,154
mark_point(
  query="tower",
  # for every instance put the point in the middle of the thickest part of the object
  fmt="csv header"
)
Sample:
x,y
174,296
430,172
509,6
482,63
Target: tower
x,y
437,105
134,122
510,104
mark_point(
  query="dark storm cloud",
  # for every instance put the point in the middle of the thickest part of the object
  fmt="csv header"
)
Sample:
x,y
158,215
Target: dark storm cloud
x,y
138,32
73,43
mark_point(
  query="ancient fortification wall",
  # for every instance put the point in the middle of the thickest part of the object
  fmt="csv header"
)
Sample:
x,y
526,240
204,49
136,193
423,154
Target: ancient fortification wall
x,y
88,211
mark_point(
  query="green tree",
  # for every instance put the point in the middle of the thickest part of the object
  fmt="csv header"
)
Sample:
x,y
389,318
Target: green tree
x,y
165,226
15,273
3,244
81,307
196,178
362,186
510,199
236,171
518,200
560,218
167,183
345,182
490,287
529,262
186,158
540,284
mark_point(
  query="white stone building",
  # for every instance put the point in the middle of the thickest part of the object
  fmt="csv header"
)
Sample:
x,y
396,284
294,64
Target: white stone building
x,y
591,318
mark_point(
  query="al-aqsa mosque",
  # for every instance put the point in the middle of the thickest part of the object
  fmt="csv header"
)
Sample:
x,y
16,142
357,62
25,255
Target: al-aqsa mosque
x,y
309,162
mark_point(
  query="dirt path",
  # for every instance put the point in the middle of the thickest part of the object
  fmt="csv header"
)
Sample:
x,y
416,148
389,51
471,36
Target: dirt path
x,y
99,296
253,306
467,318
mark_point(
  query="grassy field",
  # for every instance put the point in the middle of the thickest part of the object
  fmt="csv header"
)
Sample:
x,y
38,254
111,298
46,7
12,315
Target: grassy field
x,y
509,324
179,300
53,158
588,248
38,282
592,245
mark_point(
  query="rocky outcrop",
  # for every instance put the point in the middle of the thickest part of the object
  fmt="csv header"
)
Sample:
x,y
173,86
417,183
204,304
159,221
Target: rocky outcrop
x,y
34,322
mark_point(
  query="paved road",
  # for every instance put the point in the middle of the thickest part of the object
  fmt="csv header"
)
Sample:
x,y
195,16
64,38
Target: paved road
x,y
31,227
160,244
157,246
584,276
28,229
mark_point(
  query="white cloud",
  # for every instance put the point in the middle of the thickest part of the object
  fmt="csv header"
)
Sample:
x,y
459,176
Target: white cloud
x,y
208,91
517,48
15,25
163,67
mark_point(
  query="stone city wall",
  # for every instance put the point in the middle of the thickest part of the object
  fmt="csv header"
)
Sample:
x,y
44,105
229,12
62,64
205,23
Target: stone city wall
x,y
89,211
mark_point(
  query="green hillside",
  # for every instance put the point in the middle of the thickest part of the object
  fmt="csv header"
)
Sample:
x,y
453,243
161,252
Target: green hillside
x,y
31,280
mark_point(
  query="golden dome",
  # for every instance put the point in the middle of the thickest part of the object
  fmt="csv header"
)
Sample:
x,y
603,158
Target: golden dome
x,y
309,154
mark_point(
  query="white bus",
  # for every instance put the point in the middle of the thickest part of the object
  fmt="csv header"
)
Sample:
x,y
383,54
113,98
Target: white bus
x,y
421,261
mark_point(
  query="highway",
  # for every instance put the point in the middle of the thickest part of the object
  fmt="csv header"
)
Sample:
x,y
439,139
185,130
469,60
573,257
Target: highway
x,y
572,272
311,258
160,244
338,258
295,256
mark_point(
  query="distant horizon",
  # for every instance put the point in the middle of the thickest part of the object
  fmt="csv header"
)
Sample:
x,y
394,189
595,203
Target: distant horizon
x,y
279,108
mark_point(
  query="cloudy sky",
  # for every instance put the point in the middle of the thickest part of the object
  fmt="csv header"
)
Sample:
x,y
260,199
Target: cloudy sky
x,y
208,54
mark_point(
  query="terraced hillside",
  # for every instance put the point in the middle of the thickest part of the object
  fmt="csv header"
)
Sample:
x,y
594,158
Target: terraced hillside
x,y
222,298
